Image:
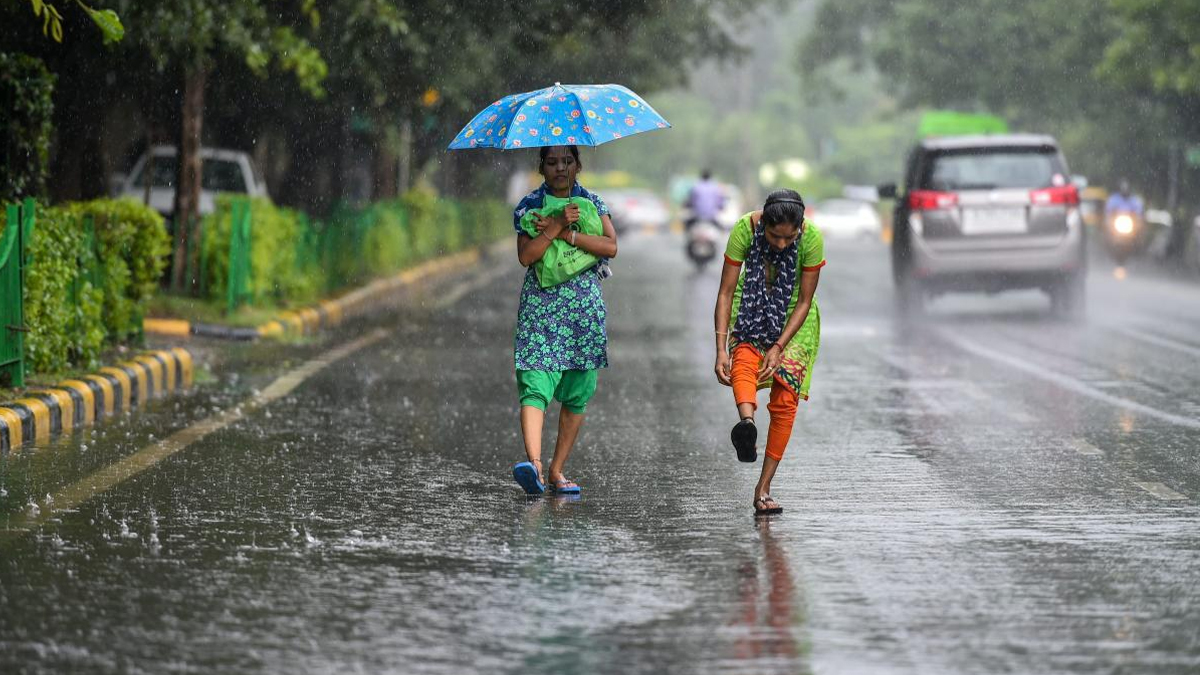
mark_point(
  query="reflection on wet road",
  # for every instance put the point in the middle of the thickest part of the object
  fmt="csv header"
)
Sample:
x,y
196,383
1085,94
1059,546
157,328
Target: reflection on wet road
x,y
986,489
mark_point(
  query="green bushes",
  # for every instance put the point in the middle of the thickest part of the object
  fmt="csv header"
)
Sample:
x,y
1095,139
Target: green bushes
x,y
63,309
294,261
133,245
26,112
277,275
86,285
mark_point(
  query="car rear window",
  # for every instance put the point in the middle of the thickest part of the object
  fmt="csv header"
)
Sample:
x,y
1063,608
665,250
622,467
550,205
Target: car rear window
x,y
218,175
993,168
223,176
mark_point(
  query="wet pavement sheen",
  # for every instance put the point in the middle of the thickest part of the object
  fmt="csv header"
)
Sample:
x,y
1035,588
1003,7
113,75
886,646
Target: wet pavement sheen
x,y
987,490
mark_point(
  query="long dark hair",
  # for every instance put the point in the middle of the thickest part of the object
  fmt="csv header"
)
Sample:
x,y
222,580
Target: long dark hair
x,y
545,150
783,206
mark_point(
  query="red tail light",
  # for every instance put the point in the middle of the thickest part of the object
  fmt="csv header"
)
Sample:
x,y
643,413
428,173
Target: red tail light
x,y
925,200
1066,195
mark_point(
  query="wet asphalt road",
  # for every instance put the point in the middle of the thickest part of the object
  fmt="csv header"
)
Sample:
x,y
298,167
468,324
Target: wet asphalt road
x,y
986,491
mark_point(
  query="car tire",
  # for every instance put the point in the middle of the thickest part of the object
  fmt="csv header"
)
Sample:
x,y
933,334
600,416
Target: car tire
x,y
910,297
1068,297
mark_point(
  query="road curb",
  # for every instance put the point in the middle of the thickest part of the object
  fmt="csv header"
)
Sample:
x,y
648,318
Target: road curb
x,y
324,314
46,412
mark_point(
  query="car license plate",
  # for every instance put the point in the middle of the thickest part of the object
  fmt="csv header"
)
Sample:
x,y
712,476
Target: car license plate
x,y
993,221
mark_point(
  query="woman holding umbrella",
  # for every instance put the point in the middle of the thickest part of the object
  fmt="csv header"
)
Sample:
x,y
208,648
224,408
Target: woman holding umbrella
x,y
561,341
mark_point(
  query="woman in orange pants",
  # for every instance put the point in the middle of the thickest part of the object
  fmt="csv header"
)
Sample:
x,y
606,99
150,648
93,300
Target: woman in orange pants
x,y
768,327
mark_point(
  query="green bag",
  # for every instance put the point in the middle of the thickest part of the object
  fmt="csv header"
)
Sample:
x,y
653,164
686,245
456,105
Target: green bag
x,y
562,261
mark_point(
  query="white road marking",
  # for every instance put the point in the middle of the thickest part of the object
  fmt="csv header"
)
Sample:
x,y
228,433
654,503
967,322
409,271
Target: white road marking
x,y
1161,491
1068,382
1084,448
457,292
1158,340
82,490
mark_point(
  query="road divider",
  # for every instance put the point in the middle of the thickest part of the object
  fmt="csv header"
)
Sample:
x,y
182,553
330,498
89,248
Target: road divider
x,y
325,313
45,412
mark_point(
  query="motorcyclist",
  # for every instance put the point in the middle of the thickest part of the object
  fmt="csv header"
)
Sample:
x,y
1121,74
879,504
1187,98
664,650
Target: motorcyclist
x,y
705,200
1123,201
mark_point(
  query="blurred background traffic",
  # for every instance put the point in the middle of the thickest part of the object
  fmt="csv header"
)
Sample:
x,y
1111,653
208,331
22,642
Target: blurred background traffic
x,y
320,107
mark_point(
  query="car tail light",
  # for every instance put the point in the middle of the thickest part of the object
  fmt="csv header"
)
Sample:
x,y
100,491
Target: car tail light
x,y
925,200
1065,195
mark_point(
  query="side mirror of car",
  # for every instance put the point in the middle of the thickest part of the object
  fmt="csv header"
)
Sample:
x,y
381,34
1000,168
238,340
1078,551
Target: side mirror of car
x,y
886,191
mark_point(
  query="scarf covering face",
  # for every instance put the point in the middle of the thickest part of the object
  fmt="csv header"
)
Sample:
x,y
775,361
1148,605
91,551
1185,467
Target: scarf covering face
x,y
763,311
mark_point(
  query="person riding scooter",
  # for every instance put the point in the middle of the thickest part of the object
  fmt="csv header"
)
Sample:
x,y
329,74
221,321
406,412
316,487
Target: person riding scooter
x,y
1123,220
705,201
703,228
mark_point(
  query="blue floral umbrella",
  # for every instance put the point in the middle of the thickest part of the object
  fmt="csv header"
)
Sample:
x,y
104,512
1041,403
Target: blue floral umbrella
x,y
565,114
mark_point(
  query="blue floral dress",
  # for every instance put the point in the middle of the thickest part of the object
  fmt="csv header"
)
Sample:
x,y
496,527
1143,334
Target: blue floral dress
x,y
561,327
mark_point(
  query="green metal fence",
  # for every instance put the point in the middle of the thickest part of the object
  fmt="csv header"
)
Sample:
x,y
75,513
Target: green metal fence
x,y
238,289
19,221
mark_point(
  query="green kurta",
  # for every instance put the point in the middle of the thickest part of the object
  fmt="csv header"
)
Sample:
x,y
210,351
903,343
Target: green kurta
x,y
795,371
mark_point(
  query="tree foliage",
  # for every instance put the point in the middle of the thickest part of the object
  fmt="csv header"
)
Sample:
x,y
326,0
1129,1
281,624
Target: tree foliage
x,y
364,82
192,34
26,89
52,20
1118,81
1155,49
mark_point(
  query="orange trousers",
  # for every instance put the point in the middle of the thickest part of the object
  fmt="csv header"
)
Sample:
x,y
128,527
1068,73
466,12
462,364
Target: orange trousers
x,y
743,371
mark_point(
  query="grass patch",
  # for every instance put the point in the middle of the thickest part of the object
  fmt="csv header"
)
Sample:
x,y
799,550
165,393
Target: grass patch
x,y
200,310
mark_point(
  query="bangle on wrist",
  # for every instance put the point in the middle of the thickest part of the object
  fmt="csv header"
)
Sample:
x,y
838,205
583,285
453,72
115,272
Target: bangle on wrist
x,y
573,233
780,347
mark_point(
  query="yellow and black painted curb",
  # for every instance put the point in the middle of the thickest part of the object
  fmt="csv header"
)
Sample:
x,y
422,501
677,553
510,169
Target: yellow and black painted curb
x,y
46,412
325,313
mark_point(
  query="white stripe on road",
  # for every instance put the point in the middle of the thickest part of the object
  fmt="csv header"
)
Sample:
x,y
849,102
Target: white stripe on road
x,y
455,294
1161,491
1158,340
1068,382
82,490
1083,447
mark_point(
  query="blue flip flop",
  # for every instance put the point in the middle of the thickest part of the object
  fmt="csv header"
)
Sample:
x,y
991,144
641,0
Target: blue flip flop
x,y
526,475
564,487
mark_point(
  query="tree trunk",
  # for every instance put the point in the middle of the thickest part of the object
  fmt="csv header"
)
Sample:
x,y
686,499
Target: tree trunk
x,y
385,171
187,183
404,171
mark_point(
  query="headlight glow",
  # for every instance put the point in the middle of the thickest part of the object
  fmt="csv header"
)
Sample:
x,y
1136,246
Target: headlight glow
x,y
1123,224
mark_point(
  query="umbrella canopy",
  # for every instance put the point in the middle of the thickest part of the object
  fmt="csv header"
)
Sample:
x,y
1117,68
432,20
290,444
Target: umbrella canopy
x,y
565,114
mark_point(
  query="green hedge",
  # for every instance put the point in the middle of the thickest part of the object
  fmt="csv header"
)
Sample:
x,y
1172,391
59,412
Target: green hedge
x,y
276,273
63,310
26,111
69,317
133,246
294,260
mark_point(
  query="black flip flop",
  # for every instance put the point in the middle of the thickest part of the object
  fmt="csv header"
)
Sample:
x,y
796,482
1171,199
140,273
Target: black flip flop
x,y
745,437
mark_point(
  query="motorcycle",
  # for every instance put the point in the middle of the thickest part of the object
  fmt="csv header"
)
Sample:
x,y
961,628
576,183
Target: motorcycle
x,y
703,240
1123,234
